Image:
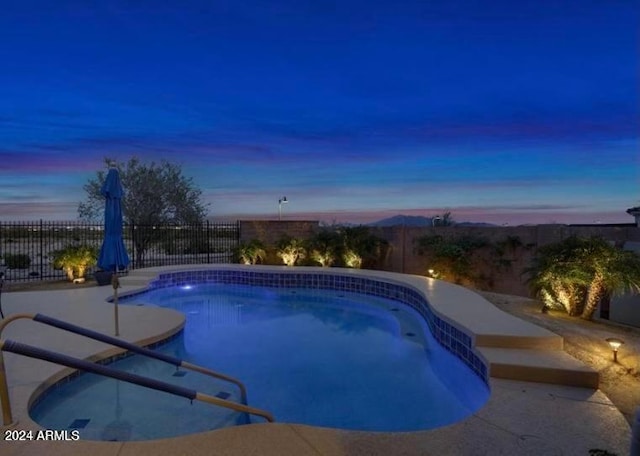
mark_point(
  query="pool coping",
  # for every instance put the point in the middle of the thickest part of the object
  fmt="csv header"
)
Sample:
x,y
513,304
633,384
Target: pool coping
x,y
508,346
602,424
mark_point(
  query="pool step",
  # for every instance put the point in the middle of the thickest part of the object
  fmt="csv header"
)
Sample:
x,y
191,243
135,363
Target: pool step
x,y
543,366
543,341
229,419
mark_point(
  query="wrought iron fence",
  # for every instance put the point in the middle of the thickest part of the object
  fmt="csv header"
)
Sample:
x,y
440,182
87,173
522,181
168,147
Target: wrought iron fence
x,y
27,248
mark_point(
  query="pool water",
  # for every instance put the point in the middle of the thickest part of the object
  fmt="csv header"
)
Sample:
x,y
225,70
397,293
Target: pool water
x,y
317,357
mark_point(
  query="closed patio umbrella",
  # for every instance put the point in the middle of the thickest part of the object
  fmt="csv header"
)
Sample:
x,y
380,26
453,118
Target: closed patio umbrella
x,y
113,254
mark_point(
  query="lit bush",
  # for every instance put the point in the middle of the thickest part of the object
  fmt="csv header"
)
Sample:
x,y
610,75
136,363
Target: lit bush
x,y
251,252
577,273
291,250
361,248
352,259
455,258
324,247
75,259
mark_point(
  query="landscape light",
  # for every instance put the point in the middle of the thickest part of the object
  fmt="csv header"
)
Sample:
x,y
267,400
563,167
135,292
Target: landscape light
x,y
615,344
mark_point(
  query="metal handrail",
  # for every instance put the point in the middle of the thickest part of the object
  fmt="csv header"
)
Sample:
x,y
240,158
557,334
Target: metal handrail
x,y
4,394
46,355
129,346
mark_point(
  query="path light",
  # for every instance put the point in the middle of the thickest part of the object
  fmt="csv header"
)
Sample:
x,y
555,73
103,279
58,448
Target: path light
x,y
281,201
615,344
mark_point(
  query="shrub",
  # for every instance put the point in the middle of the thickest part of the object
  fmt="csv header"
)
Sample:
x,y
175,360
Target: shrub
x,y
353,247
360,248
17,260
352,259
290,250
251,252
325,247
75,259
451,258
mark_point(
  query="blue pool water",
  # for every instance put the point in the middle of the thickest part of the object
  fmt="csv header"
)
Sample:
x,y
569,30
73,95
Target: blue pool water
x,y
318,357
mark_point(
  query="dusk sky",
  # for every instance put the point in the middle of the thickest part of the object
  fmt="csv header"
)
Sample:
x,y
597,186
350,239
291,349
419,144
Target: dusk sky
x,y
509,112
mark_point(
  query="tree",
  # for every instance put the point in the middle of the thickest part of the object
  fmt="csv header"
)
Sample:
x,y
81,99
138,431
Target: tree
x,y
557,277
577,273
154,194
614,270
446,219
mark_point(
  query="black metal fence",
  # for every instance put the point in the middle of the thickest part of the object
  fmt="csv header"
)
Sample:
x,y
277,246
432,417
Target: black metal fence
x,y
27,248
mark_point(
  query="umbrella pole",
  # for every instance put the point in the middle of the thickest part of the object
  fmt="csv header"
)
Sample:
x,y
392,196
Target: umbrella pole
x,y
115,283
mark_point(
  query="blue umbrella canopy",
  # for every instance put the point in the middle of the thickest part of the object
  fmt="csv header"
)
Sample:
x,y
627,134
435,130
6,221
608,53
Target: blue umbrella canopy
x,y
113,254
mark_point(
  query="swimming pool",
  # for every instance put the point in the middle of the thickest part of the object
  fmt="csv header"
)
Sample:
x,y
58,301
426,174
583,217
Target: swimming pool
x,y
322,349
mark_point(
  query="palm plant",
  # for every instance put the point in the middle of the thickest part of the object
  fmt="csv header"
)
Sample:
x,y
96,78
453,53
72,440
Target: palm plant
x,y
577,273
614,271
557,276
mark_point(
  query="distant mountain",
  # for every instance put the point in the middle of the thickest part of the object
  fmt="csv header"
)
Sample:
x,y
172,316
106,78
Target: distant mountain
x,y
474,224
406,220
419,220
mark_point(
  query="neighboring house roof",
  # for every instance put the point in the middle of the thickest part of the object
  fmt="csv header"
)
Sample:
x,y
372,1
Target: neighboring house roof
x,y
634,210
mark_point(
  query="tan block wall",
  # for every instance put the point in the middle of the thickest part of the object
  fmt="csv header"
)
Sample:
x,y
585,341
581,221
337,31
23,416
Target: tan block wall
x,y
270,231
402,257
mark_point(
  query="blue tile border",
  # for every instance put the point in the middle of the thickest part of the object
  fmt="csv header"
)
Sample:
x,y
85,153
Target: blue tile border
x,y
451,337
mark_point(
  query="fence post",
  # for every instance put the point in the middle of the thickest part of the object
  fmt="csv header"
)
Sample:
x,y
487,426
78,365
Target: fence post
x,y
237,243
208,244
41,251
133,245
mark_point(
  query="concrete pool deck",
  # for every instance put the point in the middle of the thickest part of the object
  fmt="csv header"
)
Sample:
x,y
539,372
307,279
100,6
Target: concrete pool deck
x,y
519,418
